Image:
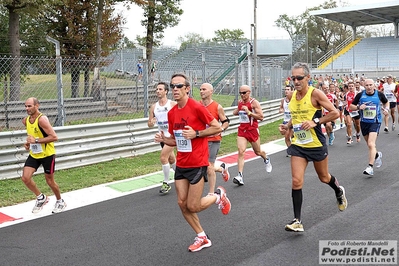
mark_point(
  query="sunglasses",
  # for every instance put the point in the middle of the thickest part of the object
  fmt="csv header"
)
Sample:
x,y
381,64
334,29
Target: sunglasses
x,y
297,78
179,86
243,92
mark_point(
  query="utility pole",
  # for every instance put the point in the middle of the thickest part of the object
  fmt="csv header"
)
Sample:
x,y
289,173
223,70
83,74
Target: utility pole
x,y
256,93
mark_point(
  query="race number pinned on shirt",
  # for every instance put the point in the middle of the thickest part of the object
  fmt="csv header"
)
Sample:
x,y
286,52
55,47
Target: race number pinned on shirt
x,y
182,144
390,96
243,117
302,136
354,113
36,148
287,116
370,112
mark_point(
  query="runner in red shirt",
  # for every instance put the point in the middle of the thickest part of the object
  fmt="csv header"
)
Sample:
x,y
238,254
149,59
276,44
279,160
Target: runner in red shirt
x,y
189,125
249,112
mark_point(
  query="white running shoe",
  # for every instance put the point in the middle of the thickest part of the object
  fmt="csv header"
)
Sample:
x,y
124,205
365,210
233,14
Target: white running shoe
x,y
238,180
269,166
378,160
368,171
59,206
39,204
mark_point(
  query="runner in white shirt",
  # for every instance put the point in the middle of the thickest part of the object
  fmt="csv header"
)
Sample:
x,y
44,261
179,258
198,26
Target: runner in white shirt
x,y
389,91
158,115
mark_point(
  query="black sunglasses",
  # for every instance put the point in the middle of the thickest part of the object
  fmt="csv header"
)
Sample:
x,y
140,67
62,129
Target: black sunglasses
x,y
297,77
243,92
179,86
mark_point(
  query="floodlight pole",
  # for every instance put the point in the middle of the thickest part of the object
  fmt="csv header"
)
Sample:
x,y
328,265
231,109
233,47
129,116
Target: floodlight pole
x,y
60,120
145,79
255,54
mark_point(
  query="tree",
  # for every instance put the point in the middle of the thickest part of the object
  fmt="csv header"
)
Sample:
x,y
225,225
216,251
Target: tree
x,y
159,15
74,24
322,34
229,37
190,39
16,9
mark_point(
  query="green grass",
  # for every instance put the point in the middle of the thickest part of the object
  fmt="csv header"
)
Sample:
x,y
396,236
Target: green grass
x,y
14,191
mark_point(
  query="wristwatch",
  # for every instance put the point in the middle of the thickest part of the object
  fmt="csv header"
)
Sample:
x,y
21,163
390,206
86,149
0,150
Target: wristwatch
x,y
197,134
37,140
317,121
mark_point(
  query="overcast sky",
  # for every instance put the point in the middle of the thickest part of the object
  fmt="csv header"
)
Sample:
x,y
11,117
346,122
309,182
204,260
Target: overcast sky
x,y
206,16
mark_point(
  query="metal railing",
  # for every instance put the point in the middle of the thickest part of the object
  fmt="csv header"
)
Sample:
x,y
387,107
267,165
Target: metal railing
x,y
87,144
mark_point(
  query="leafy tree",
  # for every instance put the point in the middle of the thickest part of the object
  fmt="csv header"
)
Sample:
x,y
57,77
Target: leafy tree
x,y
322,34
190,39
159,15
229,37
74,23
16,9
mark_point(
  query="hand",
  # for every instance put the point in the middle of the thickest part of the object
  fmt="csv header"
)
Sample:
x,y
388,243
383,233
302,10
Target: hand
x,y
189,133
27,146
30,139
282,128
159,137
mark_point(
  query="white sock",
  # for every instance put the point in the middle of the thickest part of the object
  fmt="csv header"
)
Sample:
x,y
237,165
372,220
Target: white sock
x,y
40,197
202,234
166,170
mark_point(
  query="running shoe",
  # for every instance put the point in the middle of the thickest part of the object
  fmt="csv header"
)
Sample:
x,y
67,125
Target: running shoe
x,y
165,188
239,180
368,171
378,160
294,226
59,206
39,204
224,203
393,127
342,201
225,172
386,130
357,137
349,141
269,166
200,242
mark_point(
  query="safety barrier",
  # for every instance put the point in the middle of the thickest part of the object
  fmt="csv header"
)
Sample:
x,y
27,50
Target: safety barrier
x,y
81,145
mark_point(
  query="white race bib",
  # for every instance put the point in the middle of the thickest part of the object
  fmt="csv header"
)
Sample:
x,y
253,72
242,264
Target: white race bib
x,y
243,117
182,144
370,112
36,148
302,136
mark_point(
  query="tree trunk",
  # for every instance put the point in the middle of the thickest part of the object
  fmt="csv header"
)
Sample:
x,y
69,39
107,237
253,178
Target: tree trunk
x,y
15,49
150,34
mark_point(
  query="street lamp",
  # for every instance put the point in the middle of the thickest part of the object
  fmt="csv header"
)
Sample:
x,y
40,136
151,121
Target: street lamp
x,y
255,53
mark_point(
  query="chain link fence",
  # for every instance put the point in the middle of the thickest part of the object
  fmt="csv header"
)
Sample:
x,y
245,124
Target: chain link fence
x,y
81,91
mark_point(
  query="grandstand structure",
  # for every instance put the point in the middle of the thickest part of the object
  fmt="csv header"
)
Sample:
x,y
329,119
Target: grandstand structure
x,y
372,57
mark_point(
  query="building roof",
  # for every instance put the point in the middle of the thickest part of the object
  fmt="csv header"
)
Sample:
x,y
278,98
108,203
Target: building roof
x,y
362,15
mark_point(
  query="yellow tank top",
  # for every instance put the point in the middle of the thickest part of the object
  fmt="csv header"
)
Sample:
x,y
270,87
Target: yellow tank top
x,y
303,110
39,150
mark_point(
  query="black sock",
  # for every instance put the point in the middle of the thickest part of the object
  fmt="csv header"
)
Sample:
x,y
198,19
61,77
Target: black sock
x,y
376,155
297,202
335,185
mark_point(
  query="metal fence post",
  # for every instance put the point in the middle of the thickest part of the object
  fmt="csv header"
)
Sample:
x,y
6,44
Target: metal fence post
x,y
60,120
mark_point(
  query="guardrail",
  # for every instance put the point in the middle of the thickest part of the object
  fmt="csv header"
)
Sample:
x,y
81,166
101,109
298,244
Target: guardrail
x,y
87,144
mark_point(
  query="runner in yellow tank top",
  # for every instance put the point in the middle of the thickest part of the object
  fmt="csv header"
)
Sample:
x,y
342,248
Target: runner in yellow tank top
x,y
309,142
40,143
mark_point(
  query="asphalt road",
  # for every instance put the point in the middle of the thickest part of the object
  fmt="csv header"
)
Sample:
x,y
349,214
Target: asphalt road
x,y
147,229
